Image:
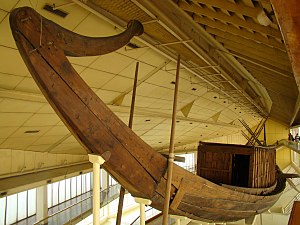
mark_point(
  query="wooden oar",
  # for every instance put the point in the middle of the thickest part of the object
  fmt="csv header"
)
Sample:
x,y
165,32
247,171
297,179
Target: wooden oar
x,y
171,149
122,190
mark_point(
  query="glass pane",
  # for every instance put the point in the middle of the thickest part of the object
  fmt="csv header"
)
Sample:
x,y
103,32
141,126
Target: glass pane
x,y
2,210
88,182
55,193
49,195
31,202
68,189
62,191
92,180
11,209
83,183
22,205
101,178
73,187
79,185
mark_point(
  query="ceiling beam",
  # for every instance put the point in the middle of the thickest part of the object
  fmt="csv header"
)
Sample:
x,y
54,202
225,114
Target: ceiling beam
x,y
263,70
234,19
224,37
238,8
258,63
243,33
259,56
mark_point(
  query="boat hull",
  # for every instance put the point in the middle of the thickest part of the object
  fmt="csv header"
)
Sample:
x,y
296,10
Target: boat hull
x,y
132,162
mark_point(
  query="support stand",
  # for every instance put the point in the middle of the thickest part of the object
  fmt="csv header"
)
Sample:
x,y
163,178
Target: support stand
x,y
97,161
41,204
142,202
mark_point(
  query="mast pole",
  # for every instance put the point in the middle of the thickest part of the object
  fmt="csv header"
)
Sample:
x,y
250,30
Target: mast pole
x,y
171,149
122,190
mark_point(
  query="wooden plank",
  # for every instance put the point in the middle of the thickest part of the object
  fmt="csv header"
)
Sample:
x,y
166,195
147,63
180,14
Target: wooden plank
x,y
265,50
233,19
183,188
238,8
260,56
243,33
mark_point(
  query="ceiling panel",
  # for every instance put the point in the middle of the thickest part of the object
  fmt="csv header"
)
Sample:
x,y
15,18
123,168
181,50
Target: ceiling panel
x,y
73,148
83,61
107,96
88,25
57,130
47,140
152,58
8,81
9,66
46,119
108,63
95,78
6,132
13,119
18,143
6,35
8,5
119,84
27,131
134,53
143,70
28,85
38,148
12,105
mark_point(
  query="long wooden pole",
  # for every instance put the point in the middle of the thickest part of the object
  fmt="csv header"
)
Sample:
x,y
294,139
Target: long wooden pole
x,y
171,149
122,190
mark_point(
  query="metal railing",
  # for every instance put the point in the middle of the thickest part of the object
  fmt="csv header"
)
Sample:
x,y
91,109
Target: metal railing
x,y
81,209
290,144
288,208
150,213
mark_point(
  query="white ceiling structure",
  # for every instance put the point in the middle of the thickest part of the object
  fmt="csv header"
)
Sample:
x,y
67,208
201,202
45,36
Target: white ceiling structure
x,y
27,122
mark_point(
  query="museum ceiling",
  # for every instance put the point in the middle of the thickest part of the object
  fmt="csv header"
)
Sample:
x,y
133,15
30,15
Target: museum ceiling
x,y
234,65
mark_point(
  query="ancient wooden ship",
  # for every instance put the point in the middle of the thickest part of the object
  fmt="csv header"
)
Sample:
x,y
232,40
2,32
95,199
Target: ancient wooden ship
x,y
44,46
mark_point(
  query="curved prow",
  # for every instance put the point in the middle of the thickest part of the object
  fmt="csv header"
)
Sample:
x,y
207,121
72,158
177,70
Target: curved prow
x,y
73,44
43,46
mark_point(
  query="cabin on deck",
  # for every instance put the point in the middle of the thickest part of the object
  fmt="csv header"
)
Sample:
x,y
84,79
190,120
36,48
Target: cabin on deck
x,y
237,165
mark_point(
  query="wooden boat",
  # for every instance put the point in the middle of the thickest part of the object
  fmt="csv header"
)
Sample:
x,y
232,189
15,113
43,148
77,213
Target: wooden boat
x,y
44,46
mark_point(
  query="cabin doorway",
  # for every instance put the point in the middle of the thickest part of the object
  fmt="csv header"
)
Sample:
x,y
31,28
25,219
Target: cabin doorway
x,y
240,170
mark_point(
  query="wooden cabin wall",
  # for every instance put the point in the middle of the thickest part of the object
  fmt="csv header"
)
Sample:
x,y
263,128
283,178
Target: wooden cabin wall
x,y
215,166
264,167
